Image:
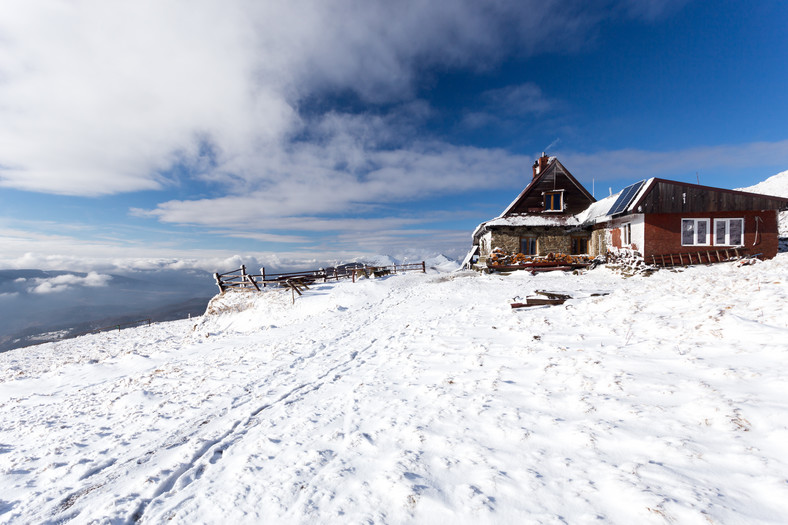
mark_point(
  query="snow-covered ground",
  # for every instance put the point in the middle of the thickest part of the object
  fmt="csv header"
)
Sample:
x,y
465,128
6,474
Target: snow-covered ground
x,y
418,399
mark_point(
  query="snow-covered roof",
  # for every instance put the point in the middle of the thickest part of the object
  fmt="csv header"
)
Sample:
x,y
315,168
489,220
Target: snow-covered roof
x,y
533,220
597,210
528,220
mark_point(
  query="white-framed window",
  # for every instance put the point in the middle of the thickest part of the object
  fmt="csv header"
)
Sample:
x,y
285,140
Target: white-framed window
x,y
729,232
695,232
626,234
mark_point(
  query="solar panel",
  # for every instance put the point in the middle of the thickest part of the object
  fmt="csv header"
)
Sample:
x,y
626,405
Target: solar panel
x,y
625,198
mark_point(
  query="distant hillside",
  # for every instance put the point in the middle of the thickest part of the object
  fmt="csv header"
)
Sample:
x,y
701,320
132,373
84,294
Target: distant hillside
x,y
776,185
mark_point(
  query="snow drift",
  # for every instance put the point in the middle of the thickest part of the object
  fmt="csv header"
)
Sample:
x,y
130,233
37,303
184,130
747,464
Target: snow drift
x,y
417,398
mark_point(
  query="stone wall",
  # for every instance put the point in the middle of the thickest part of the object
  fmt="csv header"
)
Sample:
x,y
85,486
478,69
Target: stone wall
x,y
548,240
598,243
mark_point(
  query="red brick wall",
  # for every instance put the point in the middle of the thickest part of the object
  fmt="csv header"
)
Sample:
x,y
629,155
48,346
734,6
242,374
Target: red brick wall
x,y
615,237
663,232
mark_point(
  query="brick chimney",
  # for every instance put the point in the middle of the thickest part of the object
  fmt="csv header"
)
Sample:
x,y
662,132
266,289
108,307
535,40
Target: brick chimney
x,y
540,164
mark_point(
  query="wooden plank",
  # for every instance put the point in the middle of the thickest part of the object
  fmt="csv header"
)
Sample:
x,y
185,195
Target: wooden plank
x,y
554,295
294,287
538,301
539,269
251,280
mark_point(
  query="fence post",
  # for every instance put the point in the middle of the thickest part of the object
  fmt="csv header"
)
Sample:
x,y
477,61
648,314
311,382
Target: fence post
x,y
262,271
219,282
251,280
423,267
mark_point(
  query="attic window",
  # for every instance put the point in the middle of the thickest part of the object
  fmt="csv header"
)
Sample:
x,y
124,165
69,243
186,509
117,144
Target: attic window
x,y
554,201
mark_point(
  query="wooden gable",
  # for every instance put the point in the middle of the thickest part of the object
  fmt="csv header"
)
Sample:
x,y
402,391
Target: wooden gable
x,y
554,178
665,196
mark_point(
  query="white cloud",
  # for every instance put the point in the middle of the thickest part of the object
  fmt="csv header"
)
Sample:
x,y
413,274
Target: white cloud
x,y
101,98
389,176
65,282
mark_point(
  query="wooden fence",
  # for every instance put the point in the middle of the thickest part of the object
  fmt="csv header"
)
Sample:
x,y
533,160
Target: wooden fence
x,y
239,279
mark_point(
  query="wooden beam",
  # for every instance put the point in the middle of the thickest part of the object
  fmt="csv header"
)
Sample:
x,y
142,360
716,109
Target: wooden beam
x,y
553,295
251,280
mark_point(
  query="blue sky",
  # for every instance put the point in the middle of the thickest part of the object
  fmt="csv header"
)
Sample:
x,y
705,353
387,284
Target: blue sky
x,y
200,133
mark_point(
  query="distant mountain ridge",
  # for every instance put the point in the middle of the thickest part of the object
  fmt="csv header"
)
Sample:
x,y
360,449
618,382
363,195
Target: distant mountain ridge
x,y
776,185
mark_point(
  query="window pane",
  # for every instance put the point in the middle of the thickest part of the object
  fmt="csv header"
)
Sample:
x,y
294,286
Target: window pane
x,y
736,227
703,232
687,232
719,231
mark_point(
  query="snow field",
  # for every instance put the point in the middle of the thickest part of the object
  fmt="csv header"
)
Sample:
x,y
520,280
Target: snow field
x,y
417,398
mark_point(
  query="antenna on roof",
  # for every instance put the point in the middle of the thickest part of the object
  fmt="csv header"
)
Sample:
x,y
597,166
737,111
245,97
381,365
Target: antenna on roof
x,y
697,178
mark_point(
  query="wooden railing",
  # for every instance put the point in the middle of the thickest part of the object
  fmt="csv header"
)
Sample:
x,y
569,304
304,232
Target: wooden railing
x,y
240,279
